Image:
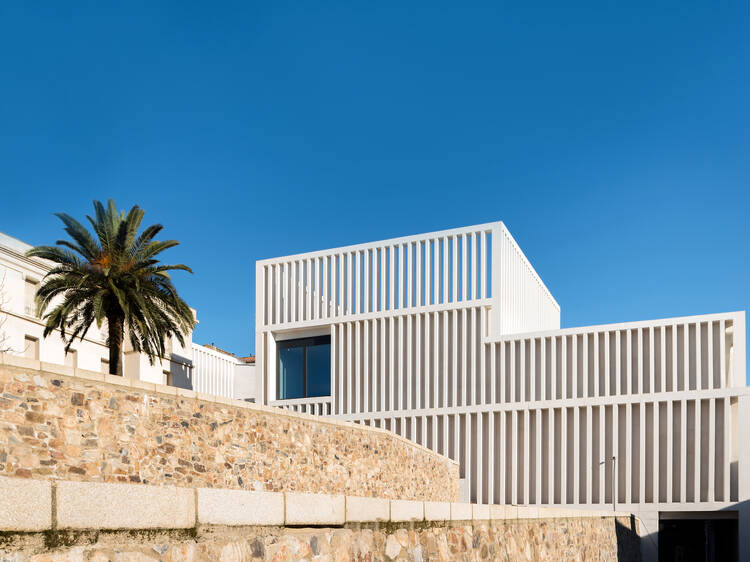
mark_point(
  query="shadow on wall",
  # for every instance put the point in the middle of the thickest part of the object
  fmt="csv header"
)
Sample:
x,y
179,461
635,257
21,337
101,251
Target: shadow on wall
x,y
181,372
699,536
628,541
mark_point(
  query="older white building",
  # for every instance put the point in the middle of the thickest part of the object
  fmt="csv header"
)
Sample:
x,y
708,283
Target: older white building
x,y
191,366
452,340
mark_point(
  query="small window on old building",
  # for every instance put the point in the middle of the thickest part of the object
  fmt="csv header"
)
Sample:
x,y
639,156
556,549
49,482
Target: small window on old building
x,y
30,288
31,347
304,368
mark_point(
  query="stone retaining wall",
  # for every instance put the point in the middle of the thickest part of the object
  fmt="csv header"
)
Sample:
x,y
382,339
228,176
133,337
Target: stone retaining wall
x,y
45,521
61,423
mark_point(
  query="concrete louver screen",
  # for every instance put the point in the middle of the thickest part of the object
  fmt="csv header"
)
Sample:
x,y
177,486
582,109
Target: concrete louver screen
x,y
487,378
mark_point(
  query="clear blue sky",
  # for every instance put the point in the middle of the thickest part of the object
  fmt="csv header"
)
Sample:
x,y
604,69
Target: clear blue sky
x,y
612,138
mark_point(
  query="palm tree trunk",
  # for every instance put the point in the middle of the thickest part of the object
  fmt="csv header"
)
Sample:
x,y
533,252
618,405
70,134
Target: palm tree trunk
x,y
115,325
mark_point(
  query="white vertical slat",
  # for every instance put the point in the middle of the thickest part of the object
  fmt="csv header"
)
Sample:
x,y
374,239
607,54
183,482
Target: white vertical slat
x,y
656,466
596,364
392,365
463,358
418,279
618,363
725,376
357,366
445,270
491,459
564,366
365,407
445,399
663,357
538,456
576,453
675,374
683,450
435,362
710,351
400,394
425,373
616,448
697,445
512,373
277,293
727,445
351,333
383,279
502,455
602,454
642,445
606,364
553,365
532,367
366,299
563,454
464,266
514,457
454,267
418,374
483,269
711,448
651,361
550,456
480,465
590,461
409,264
526,456
686,364
670,448
409,370
375,375
392,278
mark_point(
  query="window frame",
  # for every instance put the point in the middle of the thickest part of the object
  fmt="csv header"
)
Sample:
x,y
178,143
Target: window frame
x,y
303,343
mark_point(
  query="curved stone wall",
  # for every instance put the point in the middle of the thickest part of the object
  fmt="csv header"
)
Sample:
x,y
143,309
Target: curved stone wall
x,y
57,423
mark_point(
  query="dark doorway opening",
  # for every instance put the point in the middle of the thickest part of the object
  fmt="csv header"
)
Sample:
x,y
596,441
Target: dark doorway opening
x,y
698,540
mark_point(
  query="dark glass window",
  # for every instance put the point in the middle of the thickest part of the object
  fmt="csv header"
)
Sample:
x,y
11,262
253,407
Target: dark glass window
x,y
304,368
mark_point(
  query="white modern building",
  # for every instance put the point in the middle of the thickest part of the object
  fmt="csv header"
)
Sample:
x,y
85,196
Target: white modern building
x,y
193,366
451,339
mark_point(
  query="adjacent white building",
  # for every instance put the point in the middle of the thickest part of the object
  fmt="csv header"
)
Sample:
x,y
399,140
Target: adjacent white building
x,y
192,366
451,339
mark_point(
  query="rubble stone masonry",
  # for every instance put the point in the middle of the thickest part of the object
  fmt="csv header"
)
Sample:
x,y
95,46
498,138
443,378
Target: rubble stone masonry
x,y
86,426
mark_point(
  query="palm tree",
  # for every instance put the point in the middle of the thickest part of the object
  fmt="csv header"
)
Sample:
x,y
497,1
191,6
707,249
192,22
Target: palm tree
x,y
112,275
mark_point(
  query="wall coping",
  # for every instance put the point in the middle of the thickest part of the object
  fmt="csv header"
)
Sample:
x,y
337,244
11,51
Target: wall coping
x,y
18,362
62,505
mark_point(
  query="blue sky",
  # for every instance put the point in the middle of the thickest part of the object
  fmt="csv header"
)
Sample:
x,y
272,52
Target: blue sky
x,y
612,138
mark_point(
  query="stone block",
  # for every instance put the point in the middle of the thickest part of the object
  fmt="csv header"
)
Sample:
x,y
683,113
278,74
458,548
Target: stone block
x,y
89,375
58,369
314,509
361,510
497,512
22,362
95,505
407,510
460,511
25,505
528,512
480,512
116,379
239,507
437,511
142,385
